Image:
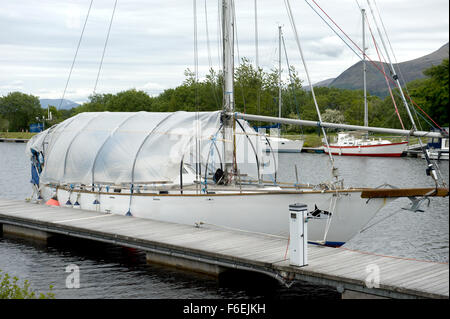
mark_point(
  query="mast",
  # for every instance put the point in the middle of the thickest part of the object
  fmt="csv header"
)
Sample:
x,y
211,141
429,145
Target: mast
x,y
366,109
228,92
279,71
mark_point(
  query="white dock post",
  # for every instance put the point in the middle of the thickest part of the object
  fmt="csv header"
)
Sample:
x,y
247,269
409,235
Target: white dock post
x,y
298,232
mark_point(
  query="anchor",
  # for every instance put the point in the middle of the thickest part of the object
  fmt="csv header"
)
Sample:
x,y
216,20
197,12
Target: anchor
x,y
416,203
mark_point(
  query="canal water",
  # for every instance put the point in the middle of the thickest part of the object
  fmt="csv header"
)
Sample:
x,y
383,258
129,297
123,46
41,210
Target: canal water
x,y
107,271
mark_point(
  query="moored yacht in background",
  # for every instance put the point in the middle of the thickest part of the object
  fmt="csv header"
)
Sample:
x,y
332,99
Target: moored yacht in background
x,y
358,144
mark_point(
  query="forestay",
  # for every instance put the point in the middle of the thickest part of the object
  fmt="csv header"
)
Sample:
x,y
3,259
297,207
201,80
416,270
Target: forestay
x,y
140,148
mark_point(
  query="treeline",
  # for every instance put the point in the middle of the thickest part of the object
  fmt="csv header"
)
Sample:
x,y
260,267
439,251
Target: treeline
x,y
256,92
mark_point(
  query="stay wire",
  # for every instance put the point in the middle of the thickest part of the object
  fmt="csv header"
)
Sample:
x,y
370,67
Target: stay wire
x,y
239,58
196,102
214,89
332,29
104,48
385,77
292,82
76,53
373,63
395,59
258,92
294,28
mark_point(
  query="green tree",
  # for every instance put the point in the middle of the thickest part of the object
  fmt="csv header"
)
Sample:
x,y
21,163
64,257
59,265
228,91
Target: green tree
x,y
432,93
125,101
20,110
333,116
4,124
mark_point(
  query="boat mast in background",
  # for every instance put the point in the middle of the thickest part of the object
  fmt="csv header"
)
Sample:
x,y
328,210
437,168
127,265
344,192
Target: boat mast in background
x,y
228,92
366,110
279,71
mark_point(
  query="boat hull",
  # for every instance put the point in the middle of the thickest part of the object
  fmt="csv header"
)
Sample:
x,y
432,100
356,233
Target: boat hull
x,y
437,155
381,150
284,145
262,213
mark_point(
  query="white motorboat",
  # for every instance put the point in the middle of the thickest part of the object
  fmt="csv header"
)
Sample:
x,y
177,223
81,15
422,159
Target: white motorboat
x,y
438,148
282,145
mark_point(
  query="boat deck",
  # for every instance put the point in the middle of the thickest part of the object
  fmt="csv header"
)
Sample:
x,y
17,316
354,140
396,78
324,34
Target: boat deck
x,y
344,269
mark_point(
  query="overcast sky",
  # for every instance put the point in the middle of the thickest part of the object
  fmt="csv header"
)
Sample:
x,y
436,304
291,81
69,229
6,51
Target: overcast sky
x,y
151,42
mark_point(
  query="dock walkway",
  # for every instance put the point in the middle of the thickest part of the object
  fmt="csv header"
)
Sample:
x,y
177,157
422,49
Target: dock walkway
x,y
223,248
13,140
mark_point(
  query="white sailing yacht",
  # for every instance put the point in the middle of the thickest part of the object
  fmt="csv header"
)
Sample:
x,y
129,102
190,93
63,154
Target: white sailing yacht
x,y
195,168
357,143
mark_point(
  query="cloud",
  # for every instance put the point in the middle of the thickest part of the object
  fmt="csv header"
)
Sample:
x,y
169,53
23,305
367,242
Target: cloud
x,y
73,17
152,87
13,86
151,42
330,47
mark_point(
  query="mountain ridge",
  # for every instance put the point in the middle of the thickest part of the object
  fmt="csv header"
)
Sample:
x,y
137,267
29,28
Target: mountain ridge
x,y
65,105
352,78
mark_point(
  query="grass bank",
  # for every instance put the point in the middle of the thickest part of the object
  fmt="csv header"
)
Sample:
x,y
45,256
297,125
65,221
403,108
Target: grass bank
x,y
18,135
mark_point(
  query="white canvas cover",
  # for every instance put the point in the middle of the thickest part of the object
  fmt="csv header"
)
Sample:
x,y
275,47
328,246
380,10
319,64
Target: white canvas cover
x,y
140,148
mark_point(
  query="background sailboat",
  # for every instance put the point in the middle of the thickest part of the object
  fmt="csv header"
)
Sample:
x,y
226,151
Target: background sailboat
x,y
358,143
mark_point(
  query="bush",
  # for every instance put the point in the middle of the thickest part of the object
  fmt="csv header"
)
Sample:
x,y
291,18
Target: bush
x,y
11,289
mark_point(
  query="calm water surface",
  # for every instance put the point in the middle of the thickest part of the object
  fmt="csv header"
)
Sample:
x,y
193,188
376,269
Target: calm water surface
x,y
113,272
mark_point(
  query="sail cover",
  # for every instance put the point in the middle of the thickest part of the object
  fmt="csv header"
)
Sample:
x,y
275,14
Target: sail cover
x,y
142,147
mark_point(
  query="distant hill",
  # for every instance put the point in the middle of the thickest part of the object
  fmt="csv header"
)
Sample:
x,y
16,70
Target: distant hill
x,y
352,78
65,105
322,83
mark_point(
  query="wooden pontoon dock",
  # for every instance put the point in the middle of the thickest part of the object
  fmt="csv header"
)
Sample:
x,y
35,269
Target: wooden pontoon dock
x,y
212,249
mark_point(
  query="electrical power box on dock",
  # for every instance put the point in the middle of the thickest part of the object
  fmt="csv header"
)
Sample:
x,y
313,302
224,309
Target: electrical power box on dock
x,y
298,232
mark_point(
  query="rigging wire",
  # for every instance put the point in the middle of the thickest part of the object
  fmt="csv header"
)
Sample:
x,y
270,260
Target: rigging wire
x,y
391,66
395,59
219,35
76,53
196,102
104,48
385,77
258,92
389,42
430,169
294,28
415,112
239,57
292,81
332,29
373,63
210,56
